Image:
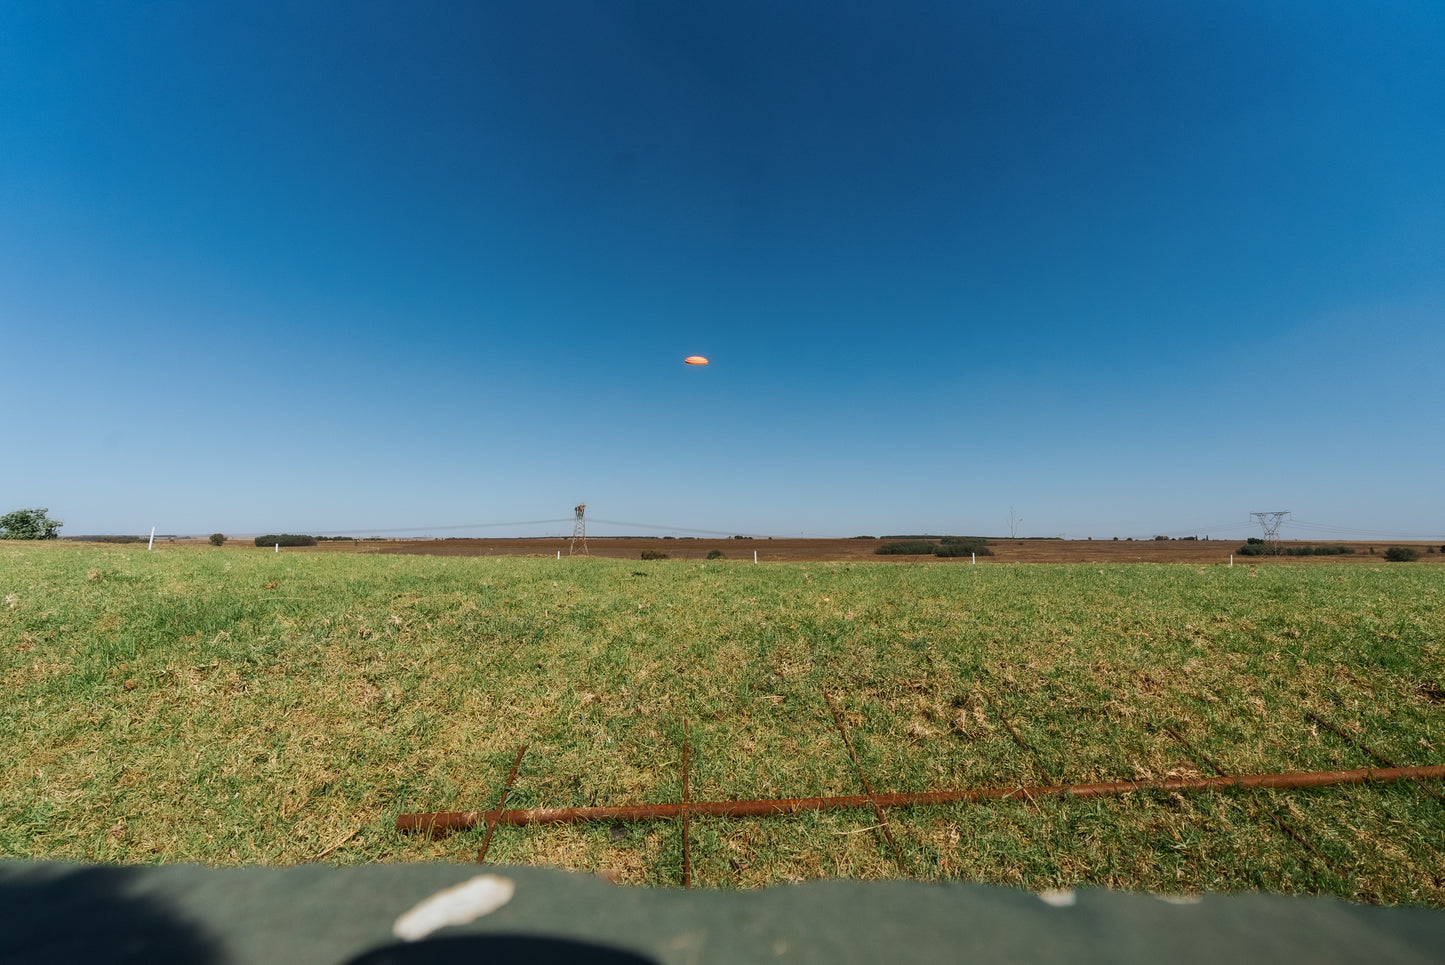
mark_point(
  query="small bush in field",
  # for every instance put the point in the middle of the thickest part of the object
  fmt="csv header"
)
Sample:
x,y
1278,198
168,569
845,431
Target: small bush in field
x,y
1402,554
217,539
653,555
963,546
285,539
907,547
716,555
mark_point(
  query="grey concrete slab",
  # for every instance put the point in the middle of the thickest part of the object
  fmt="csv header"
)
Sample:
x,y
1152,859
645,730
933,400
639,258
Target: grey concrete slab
x,y
318,914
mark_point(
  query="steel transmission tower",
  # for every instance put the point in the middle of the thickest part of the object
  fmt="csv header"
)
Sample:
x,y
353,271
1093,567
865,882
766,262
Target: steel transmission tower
x,y
579,531
1270,523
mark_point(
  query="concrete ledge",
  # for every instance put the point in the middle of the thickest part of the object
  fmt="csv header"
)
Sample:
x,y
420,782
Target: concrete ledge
x,y
320,914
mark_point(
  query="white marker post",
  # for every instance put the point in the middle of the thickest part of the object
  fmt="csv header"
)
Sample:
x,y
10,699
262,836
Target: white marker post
x,y
975,558
278,547
1231,559
152,543
559,554
755,556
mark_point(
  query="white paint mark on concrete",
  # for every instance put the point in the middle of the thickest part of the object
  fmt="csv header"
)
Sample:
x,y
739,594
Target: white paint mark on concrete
x,y
456,905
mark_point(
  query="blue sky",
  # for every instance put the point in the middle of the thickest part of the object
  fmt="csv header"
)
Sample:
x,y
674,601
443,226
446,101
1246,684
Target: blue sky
x,y
1130,268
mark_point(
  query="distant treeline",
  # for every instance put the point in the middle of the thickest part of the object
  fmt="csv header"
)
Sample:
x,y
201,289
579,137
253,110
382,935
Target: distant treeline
x,y
111,539
285,539
911,536
1258,547
946,546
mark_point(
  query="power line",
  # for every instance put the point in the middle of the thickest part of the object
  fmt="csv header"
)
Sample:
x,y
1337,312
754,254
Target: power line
x,y
1270,521
429,529
526,522
1367,533
579,529
1319,529
1211,528
673,529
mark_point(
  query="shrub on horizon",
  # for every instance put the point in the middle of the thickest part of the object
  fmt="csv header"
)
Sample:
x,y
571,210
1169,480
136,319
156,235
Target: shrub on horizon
x,y
654,554
285,539
217,539
953,546
907,547
1402,554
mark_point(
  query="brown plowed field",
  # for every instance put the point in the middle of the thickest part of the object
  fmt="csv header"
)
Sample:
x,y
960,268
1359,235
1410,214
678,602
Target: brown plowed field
x,y
774,550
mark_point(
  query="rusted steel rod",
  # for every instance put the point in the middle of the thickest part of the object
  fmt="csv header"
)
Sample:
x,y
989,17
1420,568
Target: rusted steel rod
x,y
868,788
686,863
506,789
460,820
1015,735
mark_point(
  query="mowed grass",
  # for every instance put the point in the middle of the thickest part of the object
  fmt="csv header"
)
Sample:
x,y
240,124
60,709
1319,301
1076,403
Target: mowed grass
x,y
229,706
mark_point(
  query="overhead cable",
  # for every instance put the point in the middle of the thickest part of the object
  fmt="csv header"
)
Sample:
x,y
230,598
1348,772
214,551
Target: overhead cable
x,y
429,529
1363,533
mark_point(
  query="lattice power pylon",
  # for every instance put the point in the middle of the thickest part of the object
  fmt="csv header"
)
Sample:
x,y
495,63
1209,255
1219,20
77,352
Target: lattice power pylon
x,y
579,531
1270,523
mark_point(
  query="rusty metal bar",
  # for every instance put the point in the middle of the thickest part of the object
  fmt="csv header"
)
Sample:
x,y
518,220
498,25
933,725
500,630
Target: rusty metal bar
x,y
1015,735
506,789
461,820
686,862
1284,825
882,821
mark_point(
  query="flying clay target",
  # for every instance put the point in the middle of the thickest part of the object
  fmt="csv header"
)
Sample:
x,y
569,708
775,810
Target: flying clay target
x,y
695,360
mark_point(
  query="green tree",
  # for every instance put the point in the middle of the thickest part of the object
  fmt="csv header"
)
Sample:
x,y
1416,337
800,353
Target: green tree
x,y
217,539
29,524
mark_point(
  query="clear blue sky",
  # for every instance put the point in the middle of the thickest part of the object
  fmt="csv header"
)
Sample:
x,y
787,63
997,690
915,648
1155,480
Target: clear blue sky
x,y
1129,268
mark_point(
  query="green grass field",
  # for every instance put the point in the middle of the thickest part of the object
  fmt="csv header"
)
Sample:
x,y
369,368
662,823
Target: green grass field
x,y
229,706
